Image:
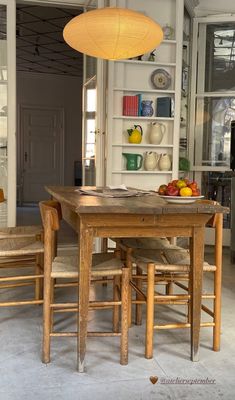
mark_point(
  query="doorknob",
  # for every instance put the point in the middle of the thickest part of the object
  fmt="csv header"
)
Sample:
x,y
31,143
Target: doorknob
x,y
26,156
97,131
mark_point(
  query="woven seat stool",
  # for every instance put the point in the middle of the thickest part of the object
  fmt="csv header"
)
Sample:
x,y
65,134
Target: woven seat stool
x,y
66,267
21,250
172,265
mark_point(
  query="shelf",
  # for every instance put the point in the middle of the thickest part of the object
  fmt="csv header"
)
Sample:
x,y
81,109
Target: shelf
x,y
143,145
172,41
142,172
144,62
144,90
132,77
143,118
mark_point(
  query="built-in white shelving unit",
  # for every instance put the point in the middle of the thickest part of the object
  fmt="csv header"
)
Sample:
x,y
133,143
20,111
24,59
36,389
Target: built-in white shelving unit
x,y
133,77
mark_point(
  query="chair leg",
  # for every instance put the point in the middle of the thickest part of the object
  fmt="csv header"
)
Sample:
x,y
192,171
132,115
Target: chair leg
x,y
217,314
129,266
169,288
150,312
124,317
190,285
138,309
104,249
218,283
46,319
42,272
38,285
116,288
52,300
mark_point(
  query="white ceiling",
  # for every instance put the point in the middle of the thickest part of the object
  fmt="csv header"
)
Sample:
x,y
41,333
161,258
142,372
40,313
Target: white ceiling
x,y
209,7
40,46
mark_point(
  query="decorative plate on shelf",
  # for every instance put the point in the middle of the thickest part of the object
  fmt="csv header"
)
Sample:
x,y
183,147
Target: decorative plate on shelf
x,y
161,79
168,32
181,199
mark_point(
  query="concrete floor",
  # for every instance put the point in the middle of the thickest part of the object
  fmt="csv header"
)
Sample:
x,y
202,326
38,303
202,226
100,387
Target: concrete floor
x,y
23,376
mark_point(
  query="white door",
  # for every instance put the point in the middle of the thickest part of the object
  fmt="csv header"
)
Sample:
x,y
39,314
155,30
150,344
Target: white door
x,y
94,119
93,126
212,109
42,152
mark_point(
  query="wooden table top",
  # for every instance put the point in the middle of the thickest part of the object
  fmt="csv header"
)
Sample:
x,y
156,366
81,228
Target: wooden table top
x,y
147,204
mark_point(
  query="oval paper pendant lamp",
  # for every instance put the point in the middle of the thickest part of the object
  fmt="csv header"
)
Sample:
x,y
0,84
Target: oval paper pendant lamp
x,y
113,33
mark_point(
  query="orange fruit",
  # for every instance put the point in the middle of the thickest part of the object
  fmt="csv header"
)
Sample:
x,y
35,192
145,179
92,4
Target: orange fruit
x,y
186,192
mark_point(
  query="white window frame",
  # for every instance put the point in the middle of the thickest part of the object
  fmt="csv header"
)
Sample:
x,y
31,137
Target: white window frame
x,y
200,95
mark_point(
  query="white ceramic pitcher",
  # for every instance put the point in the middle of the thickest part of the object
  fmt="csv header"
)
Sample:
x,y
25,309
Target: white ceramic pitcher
x,y
164,162
150,160
156,133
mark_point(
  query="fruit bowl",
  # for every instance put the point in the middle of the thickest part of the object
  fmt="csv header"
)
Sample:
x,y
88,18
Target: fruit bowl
x,y
180,191
181,199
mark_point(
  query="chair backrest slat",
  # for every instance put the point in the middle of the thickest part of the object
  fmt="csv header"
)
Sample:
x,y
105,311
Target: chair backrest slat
x,y
51,214
53,208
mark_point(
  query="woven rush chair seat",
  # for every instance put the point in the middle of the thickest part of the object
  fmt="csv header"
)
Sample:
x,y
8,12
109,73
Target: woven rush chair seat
x,y
67,266
170,266
104,265
172,259
21,231
157,243
21,248
126,246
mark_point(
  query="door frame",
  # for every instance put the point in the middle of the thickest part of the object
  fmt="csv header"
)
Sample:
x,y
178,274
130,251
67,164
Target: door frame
x,y
20,148
11,63
11,103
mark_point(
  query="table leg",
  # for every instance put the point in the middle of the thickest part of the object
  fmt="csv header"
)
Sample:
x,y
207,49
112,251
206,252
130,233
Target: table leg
x,y
85,255
197,257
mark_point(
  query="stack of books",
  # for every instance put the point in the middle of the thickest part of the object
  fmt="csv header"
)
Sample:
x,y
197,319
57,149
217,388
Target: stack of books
x,y
165,107
132,105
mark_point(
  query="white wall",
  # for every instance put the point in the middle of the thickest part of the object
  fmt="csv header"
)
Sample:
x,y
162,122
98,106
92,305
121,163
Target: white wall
x,y
56,91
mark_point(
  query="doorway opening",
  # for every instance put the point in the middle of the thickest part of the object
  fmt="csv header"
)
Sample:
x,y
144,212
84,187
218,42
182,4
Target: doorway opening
x,y
49,105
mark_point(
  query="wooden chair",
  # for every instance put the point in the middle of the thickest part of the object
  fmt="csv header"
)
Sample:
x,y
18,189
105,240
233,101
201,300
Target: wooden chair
x,y
21,249
170,266
66,267
126,247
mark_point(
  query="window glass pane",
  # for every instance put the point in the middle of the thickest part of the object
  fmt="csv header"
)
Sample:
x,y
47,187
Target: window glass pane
x,y
217,186
90,137
90,150
220,57
91,100
90,131
213,131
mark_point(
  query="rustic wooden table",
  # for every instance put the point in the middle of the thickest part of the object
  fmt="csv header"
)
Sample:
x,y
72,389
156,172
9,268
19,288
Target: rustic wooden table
x,y
144,216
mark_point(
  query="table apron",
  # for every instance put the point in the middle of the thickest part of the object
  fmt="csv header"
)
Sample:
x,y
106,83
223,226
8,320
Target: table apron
x,y
112,225
141,231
